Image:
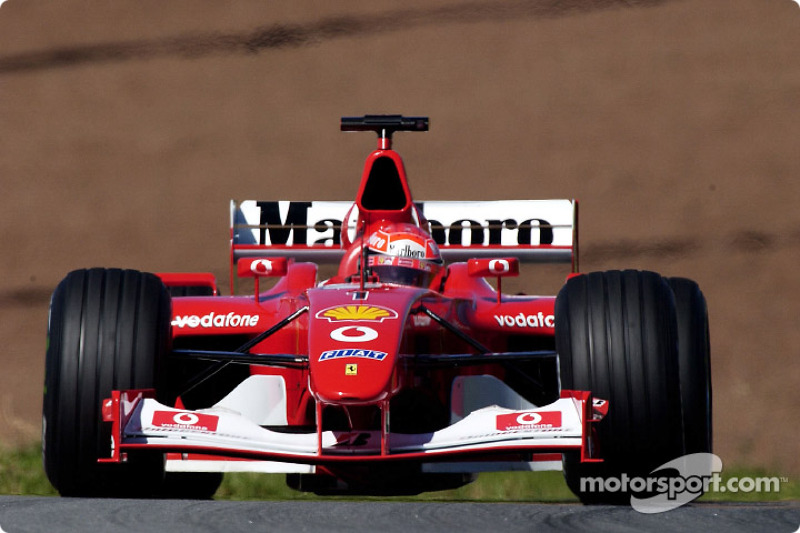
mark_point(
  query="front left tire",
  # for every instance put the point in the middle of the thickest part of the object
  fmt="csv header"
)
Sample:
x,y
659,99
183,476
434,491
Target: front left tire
x,y
109,329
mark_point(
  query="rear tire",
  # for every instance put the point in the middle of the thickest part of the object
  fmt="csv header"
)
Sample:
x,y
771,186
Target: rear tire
x,y
616,336
108,330
695,364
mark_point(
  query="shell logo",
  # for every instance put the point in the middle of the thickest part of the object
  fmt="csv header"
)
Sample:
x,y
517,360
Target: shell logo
x,y
357,313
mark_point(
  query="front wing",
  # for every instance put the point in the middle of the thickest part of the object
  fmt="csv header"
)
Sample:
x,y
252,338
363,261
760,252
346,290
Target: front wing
x,y
141,423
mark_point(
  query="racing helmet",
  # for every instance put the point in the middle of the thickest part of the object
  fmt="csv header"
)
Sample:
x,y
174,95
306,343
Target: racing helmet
x,y
403,254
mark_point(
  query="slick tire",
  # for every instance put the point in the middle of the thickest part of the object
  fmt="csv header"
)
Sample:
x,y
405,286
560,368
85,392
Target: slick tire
x,y
695,364
616,336
108,329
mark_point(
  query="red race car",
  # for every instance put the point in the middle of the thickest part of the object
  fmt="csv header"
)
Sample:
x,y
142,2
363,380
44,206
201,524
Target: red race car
x,y
406,371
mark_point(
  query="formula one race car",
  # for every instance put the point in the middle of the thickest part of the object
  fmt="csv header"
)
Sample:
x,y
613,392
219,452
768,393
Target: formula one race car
x,y
406,371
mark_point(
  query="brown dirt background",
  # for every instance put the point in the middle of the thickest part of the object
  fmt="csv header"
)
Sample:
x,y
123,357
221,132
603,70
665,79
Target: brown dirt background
x,y
126,126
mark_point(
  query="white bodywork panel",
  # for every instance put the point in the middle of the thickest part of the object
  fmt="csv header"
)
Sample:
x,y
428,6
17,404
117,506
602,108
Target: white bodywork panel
x,y
471,393
259,398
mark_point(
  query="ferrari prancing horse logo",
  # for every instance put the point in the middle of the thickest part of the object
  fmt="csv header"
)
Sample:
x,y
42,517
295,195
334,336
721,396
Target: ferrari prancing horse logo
x,y
351,369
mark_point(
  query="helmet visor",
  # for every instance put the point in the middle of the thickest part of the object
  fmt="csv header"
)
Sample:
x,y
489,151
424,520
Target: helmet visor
x,y
402,271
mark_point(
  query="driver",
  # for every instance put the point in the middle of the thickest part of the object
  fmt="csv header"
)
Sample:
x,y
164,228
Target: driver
x,y
403,254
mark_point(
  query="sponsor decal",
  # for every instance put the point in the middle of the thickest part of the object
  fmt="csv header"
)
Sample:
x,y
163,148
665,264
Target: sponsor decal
x,y
378,241
493,267
351,369
249,268
529,421
357,313
403,244
277,227
499,266
261,266
185,421
354,334
491,223
405,249
213,320
539,320
385,260
352,352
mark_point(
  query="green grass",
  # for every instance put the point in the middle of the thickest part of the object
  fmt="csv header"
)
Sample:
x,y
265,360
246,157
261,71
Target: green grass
x,y
21,473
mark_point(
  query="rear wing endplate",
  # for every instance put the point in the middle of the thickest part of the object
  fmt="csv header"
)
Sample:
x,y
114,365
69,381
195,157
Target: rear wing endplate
x,y
535,231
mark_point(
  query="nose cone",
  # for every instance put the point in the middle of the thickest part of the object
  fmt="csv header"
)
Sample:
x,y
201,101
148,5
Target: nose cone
x,y
353,345
353,360
353,375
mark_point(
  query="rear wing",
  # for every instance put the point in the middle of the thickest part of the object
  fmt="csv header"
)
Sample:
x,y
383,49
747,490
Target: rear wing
x,y
536,231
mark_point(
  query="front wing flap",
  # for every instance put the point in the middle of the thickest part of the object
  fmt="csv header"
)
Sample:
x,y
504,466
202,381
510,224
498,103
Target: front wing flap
x,y
140,422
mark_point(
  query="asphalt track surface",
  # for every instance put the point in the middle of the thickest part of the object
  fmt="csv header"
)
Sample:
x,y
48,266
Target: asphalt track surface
x,y
31,514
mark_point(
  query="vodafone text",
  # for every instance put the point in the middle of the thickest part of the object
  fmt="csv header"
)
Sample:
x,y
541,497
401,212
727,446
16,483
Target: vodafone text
x,y
213,320
539,320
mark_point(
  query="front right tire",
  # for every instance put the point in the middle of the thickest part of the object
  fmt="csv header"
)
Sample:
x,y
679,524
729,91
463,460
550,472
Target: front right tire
x,y
616,336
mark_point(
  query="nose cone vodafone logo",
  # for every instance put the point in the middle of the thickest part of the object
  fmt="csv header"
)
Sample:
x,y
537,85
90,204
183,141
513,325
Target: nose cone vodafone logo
x,y
354,334
529,421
